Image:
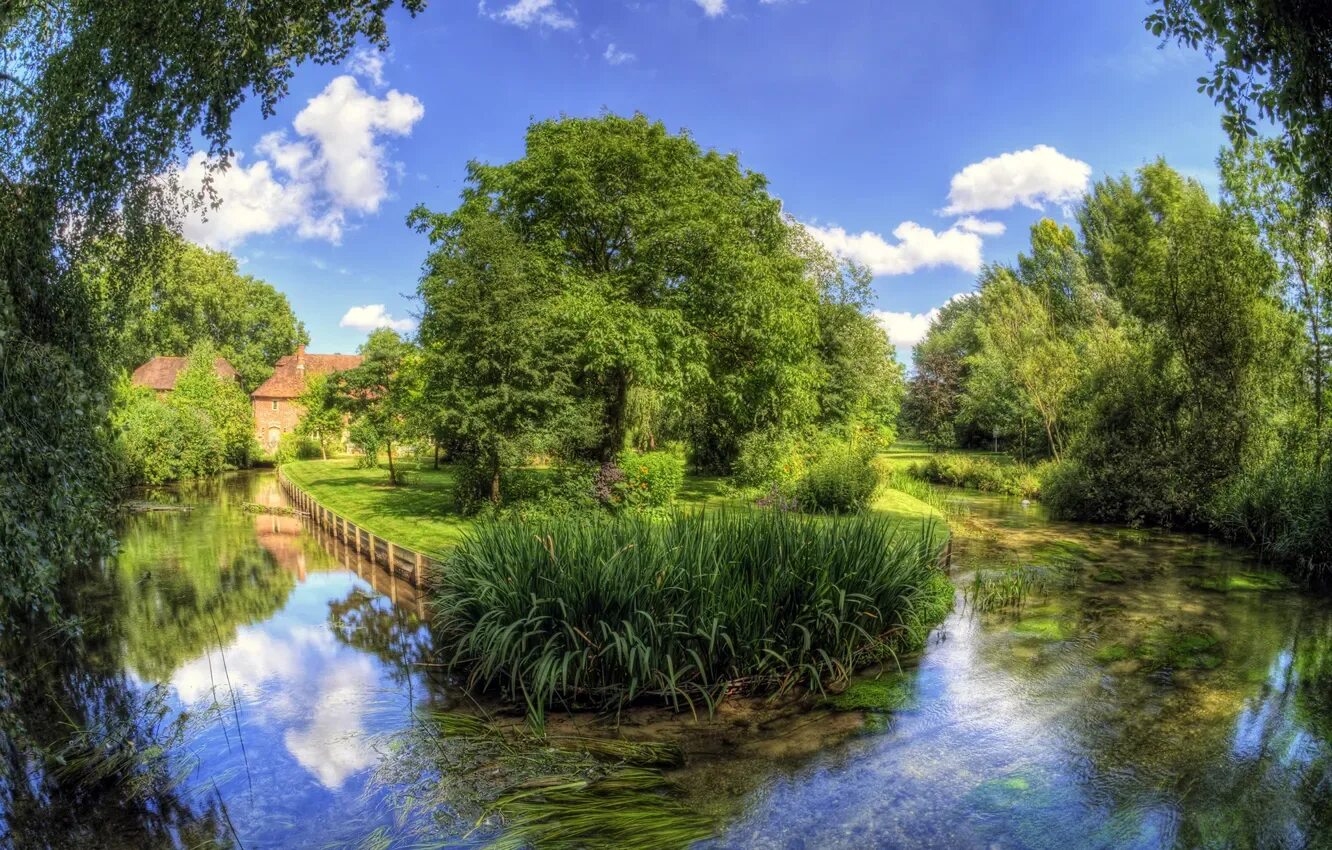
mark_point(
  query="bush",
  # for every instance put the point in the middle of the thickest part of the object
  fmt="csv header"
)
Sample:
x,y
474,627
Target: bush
x,y
1283,507
651,479
293,446
979,473
601,612
843,480
772,462
161,442
527,494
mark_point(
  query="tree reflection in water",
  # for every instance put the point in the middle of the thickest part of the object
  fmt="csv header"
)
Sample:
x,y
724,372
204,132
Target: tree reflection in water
x,y
62,689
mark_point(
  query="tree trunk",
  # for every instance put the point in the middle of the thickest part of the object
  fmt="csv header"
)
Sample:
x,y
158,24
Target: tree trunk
x,y
393,473
613,428
1312,306
436,454
495,480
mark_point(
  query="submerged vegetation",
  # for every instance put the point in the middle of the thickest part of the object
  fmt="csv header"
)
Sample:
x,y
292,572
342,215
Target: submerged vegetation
x,y
511,789
687,610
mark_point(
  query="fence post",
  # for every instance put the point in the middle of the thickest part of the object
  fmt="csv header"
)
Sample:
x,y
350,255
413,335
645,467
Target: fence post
x,y
416,576
389,545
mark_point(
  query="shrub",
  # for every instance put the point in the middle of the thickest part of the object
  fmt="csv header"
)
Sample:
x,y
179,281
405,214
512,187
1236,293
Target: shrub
x,y
1283,507
293,446
601,612
161,442
843,479
980,473
651,479
772,462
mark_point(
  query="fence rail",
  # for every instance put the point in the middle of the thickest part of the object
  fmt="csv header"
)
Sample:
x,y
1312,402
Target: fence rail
x,y
405,563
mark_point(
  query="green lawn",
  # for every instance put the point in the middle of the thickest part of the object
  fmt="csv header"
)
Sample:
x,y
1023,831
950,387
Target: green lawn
x,y
906,452
421,515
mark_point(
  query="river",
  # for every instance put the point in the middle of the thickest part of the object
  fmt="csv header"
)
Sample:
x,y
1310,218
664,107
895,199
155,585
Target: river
x,y
1152,690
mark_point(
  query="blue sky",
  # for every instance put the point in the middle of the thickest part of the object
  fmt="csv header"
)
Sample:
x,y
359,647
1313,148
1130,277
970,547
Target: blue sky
x,y
864,115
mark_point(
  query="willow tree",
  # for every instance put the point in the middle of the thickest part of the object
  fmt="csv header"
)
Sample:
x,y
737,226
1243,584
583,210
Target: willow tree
x,y
98,101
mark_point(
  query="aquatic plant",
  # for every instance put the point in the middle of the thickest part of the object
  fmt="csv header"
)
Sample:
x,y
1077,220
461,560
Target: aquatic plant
x,y
687,609
1007,587
508,788
886,692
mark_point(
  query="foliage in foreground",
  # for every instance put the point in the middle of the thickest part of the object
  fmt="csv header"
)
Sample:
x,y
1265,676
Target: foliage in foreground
x,y
686,609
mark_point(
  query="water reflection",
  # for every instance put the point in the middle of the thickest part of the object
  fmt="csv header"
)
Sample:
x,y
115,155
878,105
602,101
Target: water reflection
x,y
1162,693
1127,708
256,625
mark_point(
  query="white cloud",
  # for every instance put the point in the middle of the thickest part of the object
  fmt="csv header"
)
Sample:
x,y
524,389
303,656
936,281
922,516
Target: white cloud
x,y
917,247
526,13
908,329
344,120
1030,177
370,316
368,64
333,745
980,226
616,56
335,166
712,8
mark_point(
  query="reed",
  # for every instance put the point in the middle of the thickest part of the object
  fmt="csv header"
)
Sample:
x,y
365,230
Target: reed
x,y
687,609
1003,588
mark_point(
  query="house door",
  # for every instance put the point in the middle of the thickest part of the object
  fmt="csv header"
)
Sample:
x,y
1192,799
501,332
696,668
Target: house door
x,y
273,434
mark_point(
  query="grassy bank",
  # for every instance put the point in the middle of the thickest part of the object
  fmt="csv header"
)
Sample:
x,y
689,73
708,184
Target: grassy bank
x,y
423,515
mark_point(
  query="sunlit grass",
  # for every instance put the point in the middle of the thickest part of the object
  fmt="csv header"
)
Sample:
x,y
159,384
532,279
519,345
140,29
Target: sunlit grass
x,y
689,609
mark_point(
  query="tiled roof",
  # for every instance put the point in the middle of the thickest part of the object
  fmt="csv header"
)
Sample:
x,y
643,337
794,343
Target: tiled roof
x,y
161,373
288,380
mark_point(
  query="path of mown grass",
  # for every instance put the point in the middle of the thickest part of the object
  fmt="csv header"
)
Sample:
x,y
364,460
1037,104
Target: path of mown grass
x,y
421,515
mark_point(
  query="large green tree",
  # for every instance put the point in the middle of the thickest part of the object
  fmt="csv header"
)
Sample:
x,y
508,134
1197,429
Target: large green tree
x,y
675,270
1278,199
496,358
1207,358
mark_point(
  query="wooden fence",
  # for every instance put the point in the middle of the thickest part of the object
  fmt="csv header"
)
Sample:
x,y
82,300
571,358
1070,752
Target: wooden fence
x,y
398,560
945,560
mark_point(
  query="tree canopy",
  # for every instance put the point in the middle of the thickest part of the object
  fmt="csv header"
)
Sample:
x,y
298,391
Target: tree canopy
x,y
618,279
197,296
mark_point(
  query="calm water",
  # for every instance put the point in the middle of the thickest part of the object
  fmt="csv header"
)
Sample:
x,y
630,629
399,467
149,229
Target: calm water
x,y
1154,695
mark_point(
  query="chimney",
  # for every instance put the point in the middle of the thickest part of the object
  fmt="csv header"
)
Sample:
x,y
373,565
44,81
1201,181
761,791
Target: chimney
x,y
300,359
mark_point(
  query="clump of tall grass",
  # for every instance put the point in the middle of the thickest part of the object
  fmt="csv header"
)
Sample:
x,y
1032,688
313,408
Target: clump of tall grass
x,y
1000,589
688,609
917,488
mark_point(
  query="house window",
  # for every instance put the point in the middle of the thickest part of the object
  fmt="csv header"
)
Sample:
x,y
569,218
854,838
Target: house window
x,y
275,404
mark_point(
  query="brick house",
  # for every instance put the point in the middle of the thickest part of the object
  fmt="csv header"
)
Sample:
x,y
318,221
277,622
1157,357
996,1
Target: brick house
x,y
276,411
161,373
